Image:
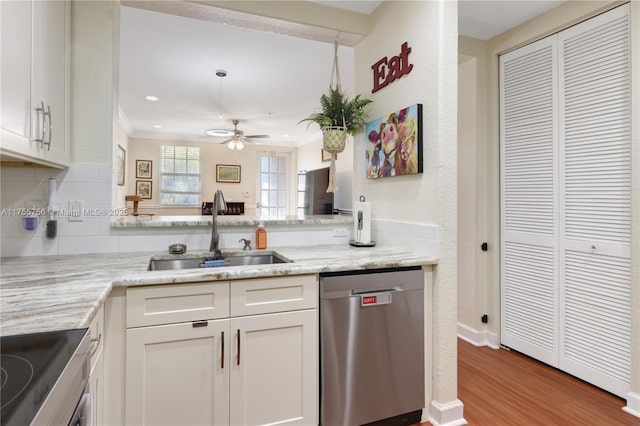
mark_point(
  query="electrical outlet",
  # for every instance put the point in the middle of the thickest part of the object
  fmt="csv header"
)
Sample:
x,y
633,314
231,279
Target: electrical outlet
x,y
340,232
76,211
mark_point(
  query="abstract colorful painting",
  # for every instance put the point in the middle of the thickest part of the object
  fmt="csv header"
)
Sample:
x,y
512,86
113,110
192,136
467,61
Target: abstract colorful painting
x,y
394,144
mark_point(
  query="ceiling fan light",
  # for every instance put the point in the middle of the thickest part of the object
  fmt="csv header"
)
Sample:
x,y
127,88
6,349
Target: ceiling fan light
x,y
239,145
223,133
231,145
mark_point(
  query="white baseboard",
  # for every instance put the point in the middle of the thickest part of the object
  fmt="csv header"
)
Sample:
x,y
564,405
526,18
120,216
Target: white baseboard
x,y
633,404
478,338
447,414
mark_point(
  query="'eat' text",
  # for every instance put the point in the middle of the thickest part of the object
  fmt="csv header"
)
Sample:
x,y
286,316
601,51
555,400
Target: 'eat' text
x,y
386,71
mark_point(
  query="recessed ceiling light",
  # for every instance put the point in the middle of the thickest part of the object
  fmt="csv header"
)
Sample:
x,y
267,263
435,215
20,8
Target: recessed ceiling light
x,y
157,126
285,136
220,132
152,98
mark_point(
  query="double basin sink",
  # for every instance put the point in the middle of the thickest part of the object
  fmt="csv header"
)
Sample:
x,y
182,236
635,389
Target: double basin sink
x,y
186,261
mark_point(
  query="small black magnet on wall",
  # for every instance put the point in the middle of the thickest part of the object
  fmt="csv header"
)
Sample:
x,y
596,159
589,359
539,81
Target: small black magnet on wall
x,y
484,246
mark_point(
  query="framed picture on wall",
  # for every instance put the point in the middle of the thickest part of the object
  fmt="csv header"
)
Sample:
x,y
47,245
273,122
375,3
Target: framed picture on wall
x,y
121,157
227,173
394,145
143,189
143,169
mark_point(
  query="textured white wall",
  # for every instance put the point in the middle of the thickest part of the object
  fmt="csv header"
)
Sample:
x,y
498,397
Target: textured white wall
x,y
430,28
92,80
467,197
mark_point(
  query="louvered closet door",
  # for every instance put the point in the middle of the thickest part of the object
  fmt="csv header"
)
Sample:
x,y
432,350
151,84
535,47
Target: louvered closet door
x,y
528,194
595,181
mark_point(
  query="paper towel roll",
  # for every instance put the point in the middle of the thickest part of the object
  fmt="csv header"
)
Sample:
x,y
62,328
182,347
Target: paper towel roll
x,y
53,194
362,222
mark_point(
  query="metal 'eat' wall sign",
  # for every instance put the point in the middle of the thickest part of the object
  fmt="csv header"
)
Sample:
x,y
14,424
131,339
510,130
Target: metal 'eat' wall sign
x,y
386,71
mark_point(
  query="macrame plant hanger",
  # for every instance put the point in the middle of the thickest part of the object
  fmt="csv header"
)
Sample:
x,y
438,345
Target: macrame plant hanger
x,y
334,137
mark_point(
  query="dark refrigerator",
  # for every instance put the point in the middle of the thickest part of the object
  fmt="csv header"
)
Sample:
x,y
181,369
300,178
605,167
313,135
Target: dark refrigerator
x,y
316,198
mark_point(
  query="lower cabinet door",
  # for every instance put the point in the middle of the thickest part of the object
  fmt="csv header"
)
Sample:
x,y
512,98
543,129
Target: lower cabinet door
x,y
274,375
178,374
96,390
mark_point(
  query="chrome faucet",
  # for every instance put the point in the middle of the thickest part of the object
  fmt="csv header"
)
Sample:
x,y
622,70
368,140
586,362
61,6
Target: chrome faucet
x,y
247,243
218,205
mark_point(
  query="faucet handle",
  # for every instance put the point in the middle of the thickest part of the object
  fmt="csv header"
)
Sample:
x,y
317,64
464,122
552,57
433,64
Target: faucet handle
x,y
247,243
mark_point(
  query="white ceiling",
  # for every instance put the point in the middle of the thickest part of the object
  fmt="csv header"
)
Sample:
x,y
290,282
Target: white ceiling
x,y
274,80
486,19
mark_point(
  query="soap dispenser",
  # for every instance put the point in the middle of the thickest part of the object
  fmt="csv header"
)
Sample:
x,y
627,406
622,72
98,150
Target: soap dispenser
x,y
261,237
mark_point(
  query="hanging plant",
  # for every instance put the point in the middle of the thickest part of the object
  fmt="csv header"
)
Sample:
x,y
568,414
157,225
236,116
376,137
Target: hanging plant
x,y
339,116
340,111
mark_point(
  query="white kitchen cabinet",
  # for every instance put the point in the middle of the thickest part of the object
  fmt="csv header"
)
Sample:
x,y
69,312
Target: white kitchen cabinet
x,y
274,375
177,374
244,352
96,377
34,81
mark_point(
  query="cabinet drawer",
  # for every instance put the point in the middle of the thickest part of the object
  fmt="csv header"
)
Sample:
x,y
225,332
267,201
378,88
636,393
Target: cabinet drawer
x,y
177,303
261,296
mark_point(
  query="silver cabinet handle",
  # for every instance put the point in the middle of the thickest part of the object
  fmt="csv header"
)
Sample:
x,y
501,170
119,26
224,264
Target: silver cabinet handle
x,y
95,344
222,350
48,114
46,130
238,353
39,110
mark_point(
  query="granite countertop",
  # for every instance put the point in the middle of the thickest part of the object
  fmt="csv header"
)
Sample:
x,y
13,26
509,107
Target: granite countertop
x,y
143,221
62,292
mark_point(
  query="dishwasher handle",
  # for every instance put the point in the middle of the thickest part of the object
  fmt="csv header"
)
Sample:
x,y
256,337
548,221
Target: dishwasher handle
x,y
377,290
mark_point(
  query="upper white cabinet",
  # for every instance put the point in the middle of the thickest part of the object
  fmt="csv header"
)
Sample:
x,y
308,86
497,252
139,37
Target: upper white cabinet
x,y
35,84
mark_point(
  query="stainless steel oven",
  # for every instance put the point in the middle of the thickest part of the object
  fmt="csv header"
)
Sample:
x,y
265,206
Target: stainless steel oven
x,y
45,378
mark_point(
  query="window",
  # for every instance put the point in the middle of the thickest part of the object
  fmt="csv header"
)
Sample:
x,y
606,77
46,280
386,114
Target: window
x,y
274,178
180,176
302,182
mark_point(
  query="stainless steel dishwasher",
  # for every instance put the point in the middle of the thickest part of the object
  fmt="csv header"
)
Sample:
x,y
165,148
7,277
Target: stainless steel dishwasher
x,y
372,347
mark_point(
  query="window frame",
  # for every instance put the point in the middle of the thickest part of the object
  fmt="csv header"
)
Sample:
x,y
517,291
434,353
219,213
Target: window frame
x,y
287,187
187,175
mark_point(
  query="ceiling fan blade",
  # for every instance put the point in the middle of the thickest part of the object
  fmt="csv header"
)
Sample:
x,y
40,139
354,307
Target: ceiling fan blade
x,y
226,141
246,140
256,136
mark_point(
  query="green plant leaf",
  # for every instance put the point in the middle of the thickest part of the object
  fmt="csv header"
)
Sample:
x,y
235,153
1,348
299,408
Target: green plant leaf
x,y
338,110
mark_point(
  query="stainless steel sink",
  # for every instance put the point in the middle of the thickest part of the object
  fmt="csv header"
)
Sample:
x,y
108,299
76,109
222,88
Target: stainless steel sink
x,y
164,263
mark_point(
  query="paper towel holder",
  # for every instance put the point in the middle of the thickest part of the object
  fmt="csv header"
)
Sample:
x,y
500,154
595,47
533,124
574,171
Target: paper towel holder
x,y
356,243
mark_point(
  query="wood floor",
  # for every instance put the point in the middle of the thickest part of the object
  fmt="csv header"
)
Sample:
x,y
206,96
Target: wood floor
x,y
501,387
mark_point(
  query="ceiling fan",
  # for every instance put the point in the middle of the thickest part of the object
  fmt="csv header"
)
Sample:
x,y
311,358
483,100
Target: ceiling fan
x,y
238,138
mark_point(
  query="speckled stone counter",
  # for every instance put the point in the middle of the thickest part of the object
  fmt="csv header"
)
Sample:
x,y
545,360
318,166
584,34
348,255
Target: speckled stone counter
x,y
225,221
62,292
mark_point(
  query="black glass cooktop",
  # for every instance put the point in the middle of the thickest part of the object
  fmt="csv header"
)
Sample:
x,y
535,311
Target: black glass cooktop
x,y
30,365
